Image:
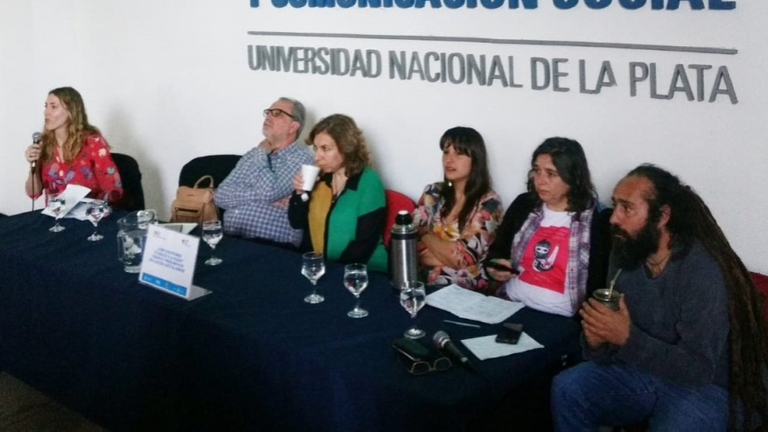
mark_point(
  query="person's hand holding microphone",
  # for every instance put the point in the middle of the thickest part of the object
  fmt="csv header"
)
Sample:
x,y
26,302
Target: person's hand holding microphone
x,y
32,154
33,151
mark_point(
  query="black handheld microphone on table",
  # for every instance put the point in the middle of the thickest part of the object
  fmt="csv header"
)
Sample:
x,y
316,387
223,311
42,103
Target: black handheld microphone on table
x,y
443,342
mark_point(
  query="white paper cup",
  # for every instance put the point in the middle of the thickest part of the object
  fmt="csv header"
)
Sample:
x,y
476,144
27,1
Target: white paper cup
x,y
309,176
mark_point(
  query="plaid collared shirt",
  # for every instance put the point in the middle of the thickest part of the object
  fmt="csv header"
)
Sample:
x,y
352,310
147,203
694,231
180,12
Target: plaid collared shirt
x,y
255,194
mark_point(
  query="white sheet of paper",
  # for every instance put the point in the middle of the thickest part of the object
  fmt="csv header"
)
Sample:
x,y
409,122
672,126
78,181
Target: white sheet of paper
x,y
486,347
73,194
169,263
78,211
472,305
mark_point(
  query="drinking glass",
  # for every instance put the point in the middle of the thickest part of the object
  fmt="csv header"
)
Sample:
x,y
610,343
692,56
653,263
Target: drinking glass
x,y
212,235
313,267
97,209
413,298
356,279
57,205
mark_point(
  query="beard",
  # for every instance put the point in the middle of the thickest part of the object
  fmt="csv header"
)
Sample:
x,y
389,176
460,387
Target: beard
x,y
632,251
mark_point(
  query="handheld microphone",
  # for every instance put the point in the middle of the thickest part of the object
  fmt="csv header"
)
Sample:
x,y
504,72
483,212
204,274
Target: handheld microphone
x,y
443,342
36,137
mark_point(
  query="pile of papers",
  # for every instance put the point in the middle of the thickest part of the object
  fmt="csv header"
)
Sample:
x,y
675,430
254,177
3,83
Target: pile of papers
x,y
75,203
490,310
472,305
486,347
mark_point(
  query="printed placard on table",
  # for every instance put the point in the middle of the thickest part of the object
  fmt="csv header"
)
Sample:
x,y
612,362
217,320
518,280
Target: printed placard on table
x,y
169,263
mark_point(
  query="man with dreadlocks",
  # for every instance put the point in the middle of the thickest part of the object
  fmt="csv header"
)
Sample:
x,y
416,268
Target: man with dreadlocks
x,y
687,349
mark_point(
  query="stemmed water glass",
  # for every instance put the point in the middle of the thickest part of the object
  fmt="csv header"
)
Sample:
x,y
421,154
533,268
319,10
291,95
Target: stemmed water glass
x,y
356,279
212,235
97,209
313,267
413,298
57,205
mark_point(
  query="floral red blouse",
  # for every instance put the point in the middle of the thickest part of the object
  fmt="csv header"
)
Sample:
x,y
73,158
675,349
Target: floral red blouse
x,y
471,243
93,168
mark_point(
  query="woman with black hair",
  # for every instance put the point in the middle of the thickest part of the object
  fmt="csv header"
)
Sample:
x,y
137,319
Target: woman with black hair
x,y
456,218
552,238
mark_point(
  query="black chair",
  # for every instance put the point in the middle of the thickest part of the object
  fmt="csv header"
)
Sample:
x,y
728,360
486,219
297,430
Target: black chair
x,y
216,166
133,192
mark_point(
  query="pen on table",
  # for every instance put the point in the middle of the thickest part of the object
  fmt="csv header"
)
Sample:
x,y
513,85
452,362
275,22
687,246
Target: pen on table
x,y
462,324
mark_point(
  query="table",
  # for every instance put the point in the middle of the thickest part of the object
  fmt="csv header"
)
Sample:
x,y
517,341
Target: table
x,y
250,356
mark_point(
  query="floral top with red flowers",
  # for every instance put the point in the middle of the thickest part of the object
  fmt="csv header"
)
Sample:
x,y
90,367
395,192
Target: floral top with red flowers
x,y
93,168
471,243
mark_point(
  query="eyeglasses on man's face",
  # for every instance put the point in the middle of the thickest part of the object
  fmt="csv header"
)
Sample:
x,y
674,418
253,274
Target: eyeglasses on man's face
x,y
277,112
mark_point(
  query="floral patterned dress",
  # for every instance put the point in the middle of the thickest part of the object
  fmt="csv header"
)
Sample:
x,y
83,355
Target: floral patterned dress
x,y
93,168
471,244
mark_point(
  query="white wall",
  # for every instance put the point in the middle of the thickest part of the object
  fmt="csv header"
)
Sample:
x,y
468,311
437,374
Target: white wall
x,y
167,81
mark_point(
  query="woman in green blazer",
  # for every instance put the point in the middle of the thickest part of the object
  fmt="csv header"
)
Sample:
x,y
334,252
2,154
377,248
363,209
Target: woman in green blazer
x,y
343,216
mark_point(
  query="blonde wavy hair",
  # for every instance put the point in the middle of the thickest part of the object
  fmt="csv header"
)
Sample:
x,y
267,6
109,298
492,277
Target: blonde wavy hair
x,y
77,127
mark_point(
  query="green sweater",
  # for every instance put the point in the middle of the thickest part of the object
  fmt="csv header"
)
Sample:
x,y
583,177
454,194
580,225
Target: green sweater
x,y
354,223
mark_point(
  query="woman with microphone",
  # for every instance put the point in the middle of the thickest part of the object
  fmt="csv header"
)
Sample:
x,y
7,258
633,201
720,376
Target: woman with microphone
x,y
71,151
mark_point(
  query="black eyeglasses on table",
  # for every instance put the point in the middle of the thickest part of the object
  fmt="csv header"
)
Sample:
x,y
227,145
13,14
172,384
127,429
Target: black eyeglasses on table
x,y
277,112
420,367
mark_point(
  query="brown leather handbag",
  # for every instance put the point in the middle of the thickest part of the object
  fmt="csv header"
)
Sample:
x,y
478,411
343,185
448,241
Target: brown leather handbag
x,y
195,204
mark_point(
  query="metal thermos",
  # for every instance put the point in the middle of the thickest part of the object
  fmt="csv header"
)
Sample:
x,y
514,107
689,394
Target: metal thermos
x,y
402,250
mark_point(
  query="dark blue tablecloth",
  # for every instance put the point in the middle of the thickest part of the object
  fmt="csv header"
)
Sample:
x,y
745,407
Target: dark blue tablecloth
x,y
251,355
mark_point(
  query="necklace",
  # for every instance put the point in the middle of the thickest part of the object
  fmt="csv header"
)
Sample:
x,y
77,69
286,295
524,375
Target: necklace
x,y
337,185
657,267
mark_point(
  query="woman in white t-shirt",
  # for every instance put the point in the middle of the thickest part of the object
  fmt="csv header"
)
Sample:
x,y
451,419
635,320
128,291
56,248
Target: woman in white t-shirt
x,y
553,236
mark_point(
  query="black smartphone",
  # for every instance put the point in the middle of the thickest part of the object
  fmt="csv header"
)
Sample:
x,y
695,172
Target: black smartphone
x,y
411,349
500,267
509,333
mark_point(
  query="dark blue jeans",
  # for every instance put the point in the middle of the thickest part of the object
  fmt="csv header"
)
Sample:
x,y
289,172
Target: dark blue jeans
x,y
590,395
